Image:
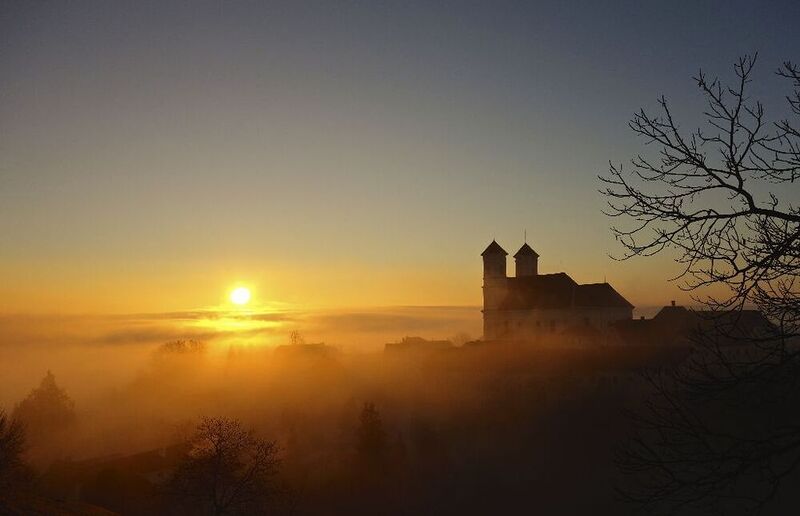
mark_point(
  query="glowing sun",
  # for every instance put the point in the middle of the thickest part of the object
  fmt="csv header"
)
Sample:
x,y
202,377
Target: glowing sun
x,y
240,296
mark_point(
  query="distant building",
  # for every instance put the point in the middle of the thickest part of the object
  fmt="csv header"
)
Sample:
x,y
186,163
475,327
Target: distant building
x,y
417,345
529,305
677,325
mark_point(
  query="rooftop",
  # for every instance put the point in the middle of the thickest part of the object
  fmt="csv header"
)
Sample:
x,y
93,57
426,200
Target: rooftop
x,y
494,248
559,291
526,250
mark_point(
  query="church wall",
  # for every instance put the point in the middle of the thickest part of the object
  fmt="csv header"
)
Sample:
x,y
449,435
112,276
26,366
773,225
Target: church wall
x,y
494,292
524,324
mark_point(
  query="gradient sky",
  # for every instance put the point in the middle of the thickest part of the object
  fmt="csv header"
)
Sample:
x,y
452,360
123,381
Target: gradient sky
x,y
153,154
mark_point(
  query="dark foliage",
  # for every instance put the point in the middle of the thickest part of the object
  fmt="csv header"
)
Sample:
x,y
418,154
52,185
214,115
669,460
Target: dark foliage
x,y
372,442
12,446
181,347
46,409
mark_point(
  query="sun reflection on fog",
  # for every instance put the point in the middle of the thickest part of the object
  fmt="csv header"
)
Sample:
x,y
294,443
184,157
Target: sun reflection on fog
x,y
234,323
250,326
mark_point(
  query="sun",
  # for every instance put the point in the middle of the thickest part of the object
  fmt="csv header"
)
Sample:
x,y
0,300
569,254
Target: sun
x,y
240,296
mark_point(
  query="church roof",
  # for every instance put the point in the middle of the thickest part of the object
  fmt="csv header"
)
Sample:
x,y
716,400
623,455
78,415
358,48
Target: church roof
x,y
526,250
541,291
494,248
557,291
599,294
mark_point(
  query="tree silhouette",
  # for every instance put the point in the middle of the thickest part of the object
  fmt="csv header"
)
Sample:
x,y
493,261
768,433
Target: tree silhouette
x,y
46,409
13,469
721,433
371,436
296,338
714,196
226,470
182,347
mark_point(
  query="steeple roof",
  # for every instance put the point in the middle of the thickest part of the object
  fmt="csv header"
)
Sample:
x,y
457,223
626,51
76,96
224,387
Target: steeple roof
x,y
494,248
526,250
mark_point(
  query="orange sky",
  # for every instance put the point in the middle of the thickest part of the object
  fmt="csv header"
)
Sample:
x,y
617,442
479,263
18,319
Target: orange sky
x,y
125,287
152,158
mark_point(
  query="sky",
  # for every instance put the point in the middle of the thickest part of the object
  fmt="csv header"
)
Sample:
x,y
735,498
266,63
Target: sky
x,y
153,155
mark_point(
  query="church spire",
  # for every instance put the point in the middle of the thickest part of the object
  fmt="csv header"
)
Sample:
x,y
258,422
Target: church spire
x,y
494,261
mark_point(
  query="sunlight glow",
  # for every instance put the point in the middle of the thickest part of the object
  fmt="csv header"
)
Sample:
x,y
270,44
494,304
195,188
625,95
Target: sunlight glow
x,y
240,296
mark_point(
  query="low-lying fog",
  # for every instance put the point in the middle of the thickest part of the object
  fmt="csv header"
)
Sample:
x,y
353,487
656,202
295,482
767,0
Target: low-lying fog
x,y
90,353
521,422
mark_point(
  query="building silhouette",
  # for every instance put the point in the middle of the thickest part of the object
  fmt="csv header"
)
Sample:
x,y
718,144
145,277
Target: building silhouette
x,y
678,325
529,305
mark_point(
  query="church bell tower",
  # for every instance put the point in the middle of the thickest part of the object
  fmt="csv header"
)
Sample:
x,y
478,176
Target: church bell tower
x,y
526,261
494,275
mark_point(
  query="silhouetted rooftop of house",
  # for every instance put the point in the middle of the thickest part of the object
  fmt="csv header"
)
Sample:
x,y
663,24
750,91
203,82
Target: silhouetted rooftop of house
x,y
417,344
681,317
674,324
494,248
674,315
526,250
559,291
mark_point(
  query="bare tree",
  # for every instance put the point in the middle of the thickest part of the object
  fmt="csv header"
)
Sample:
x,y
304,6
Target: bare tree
x,y
721,433
227,470
461,338
296,338
182,347
714,197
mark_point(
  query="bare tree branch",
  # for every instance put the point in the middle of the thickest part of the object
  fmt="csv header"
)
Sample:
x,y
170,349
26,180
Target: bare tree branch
x,y
721,433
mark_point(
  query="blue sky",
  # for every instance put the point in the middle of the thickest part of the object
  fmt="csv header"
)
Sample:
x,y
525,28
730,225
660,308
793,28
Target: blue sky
x,y
303,146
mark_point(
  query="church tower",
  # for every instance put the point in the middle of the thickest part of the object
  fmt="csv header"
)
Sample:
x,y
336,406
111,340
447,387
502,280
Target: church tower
x,y
526,261
494,275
